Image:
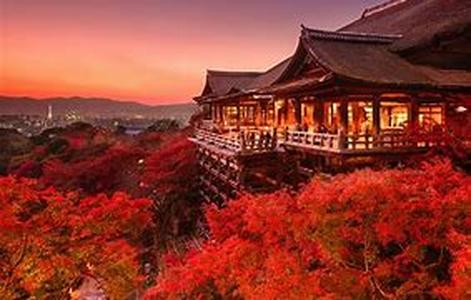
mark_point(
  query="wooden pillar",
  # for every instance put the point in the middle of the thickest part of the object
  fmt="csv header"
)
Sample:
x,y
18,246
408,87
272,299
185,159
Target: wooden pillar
x,y
318,114
376,116
264,109
238,114
343,131
216,113
414,113
298,112
258,114
285,112
275,113
344,116
221,114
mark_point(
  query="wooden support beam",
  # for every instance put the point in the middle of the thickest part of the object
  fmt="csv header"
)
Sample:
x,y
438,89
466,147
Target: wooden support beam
x,y
285,112
344,116
298,112
238,114
318,114
258,114
343,124
414,113
376,116
221,113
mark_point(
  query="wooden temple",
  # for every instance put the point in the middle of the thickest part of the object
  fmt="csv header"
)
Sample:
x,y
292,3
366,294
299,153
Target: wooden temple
x,y
344,97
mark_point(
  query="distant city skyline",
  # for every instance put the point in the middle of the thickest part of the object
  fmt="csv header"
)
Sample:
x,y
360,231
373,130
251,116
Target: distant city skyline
x,y
154,52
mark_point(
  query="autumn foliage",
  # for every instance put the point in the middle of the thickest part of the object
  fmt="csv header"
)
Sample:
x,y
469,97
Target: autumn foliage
x,y
50,241
370,234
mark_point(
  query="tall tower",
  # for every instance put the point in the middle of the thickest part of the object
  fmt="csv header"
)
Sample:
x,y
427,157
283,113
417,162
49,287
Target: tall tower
x,y
49,112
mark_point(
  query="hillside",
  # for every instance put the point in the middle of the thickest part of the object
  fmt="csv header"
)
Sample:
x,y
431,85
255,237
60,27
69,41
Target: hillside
x,y
93,107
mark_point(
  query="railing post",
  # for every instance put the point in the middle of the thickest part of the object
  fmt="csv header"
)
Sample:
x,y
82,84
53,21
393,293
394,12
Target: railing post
x,y
242,141
342,139
275,138
367,139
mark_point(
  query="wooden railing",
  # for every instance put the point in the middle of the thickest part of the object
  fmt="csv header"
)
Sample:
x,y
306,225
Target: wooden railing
x,y
320,141
243,142
351,142
384,140
226,142
256,141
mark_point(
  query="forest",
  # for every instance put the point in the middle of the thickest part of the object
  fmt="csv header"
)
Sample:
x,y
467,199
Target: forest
x,y
82,202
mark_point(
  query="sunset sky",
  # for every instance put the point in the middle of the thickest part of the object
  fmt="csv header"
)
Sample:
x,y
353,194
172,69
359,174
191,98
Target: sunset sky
x,y
151,51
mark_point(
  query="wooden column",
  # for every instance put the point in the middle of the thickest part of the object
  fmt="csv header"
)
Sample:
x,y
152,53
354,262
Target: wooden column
x,y
318,114
343,130
238,114
376,116
298,112
258,114
265,112
213,112
285,112
344,116
221,114
275,113
414,113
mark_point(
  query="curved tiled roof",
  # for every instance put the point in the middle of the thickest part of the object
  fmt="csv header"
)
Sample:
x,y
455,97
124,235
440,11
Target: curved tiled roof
x,y
367,58
221,83
360,56
421,22
270,76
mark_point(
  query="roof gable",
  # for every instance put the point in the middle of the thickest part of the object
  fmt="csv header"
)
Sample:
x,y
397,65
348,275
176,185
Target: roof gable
x,y
219,83
222,83
360,56
302,65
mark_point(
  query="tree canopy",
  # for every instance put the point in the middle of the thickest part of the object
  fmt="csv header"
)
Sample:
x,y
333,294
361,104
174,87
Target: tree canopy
x,y
369,234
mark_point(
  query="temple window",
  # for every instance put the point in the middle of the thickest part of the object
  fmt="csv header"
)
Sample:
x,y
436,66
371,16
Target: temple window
x,y
307,115
247,114
332,119
394,115
230,115
291,113
360,117
430,115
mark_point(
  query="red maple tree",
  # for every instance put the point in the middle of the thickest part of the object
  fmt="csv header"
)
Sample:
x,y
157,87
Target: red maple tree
x,y
49,241
369,234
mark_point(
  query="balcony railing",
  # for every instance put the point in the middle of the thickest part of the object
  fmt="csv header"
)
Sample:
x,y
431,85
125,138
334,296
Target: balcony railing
x,y
354,143
319,141
257,141
225,142
242,142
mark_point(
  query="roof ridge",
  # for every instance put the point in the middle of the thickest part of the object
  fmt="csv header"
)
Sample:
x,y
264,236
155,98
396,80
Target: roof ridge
x,y
350,35
380,7
233,73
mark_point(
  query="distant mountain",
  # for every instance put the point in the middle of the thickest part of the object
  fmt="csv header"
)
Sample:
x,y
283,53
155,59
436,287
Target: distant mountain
x,y
93,107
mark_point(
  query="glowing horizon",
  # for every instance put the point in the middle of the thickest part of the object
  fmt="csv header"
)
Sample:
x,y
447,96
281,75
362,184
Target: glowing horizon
x,y
152,52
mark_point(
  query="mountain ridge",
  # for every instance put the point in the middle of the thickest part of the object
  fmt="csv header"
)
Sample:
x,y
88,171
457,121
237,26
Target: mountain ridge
x,y
92,107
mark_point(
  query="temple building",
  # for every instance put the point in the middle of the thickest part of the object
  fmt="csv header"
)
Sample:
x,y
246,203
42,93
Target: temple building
x,y
344,97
